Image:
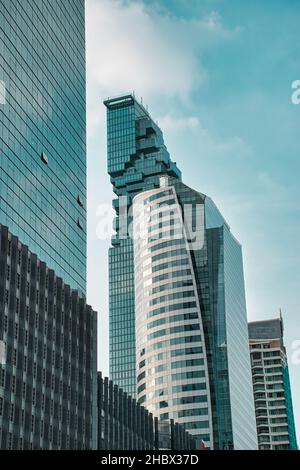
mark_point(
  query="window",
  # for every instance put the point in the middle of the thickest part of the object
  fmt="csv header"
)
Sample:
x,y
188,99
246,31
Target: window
x,y
14,357
2,377
189,387
197,425
13,384
256,355
44,158
11,412
79,200
10,441
5,323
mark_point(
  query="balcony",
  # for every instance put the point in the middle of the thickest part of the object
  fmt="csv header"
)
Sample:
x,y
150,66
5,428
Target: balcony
x,y
262,414
262,422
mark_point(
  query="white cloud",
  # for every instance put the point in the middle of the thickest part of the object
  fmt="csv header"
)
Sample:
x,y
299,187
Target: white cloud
x,y
130,47
171,123
207,142
127,48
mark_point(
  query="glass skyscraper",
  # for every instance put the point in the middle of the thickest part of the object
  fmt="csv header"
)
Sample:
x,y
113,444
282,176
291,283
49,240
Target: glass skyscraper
x,y
48,350
137,157
178,322
43,131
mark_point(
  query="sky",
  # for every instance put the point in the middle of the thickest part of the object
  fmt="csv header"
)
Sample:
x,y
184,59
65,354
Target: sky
x,y
217,76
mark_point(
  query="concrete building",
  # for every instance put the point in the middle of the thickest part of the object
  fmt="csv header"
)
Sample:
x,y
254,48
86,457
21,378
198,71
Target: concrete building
x,y
124,424
48,373
271,386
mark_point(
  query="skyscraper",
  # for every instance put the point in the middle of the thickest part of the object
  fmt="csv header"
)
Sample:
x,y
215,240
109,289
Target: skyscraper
x,y
185,361
43,131
137,157
48,351
271,386
191,321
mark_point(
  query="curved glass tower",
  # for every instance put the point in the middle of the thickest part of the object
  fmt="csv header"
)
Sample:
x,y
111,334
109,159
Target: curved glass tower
x,y
192,354
172,365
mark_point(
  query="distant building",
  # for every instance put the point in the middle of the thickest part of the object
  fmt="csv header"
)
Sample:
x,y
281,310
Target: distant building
x,y
271,386
48,374
123,424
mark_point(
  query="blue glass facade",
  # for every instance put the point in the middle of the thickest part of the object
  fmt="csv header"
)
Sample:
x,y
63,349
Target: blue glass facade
x,y
218,269
237,344
42,131
289,409
137,157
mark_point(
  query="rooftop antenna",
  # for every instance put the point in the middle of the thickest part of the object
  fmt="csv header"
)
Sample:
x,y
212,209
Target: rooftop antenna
x,y
281,322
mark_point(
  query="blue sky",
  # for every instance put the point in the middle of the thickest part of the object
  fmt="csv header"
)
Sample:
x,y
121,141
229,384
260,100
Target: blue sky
x,y
217,76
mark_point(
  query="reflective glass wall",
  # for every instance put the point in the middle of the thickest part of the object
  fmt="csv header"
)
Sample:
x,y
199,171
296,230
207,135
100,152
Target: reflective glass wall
x,y
43,131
